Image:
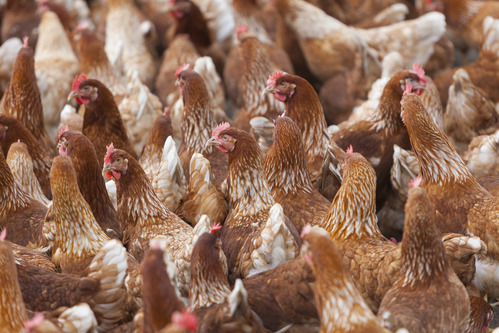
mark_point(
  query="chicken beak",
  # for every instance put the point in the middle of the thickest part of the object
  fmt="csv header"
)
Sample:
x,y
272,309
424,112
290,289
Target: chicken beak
x,y
72,95
106,169
268,90
211,142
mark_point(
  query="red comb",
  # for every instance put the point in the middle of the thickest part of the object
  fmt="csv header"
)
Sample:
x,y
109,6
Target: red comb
x,y
219,129
241,28
215,227
185,320
306,230
181,69
110,150
77,81
349,150
419,71
38,319
3,234
165,113
63,130
416,182
25,41
82,26
273,78
408,88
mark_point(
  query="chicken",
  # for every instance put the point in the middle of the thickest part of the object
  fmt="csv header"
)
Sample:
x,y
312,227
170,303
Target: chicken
x,y
8,54
482,154
255,67
78,318
68,22
157,288
144,216
339,304
481,315
22,98
462,205
90,181
21,166
197,121
203,196
184,322
150,158
100,286
283,295
209,284
287,174
21,214
78,236
55,67
11,131
139,110
469,112
169,181
102,123
94,62
428,295
330,47
219,17
20,19
484,72
70,118
123,28
270,238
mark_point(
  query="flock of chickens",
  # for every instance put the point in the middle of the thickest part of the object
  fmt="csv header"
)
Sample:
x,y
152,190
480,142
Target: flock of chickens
x,y
183,166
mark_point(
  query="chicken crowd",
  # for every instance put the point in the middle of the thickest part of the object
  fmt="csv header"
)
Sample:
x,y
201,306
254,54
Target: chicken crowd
x,y
254,166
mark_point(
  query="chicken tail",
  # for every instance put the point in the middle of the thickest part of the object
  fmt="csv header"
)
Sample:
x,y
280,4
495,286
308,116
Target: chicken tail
x,y
275,245
107,301
169,181
405,167
491,35
78,319
265,129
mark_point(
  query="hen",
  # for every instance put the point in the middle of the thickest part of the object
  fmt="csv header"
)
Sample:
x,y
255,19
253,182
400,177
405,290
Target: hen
x,y
55,67
144,216
339,304
255,66
469,112
482,157
21,165
481,315
21,214
90,181
12,131
287,174
428,295
197,121
256,236
22,98
123,28
102,123
462,205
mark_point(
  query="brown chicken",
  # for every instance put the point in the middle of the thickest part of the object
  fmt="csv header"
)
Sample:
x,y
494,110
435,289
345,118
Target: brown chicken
x,y
339,304
284,295
144,216
150,158
21,19
95,63
22,98
197,122
11,131
462,205
484,72
78,236
253,211
102,123
287,174
160,299
100,286
90,181
255,67
22,215
481,315
21,165
427,296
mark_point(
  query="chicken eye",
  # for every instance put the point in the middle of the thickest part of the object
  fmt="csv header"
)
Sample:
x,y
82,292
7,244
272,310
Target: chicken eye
x,y
118,160
225,137
283,84
87,88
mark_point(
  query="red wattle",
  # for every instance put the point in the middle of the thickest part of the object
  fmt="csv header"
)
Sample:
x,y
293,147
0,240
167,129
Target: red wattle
x,y
108,175
116,175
